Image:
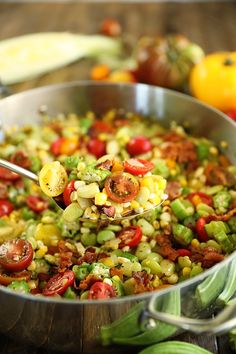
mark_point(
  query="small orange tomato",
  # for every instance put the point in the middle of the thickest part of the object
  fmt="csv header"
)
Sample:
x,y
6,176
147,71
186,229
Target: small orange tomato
x,y
213,80
121,76
69,145
99,72
110,27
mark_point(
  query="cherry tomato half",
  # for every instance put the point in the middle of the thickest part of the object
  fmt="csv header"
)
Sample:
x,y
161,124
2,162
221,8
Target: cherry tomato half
x,y
58,284
200,228
138,166
121,187
8,175
101,290
6,279
182,252
200,197
130,236
70,187
64,146
36,204
16,255
6,207
96,147
138,145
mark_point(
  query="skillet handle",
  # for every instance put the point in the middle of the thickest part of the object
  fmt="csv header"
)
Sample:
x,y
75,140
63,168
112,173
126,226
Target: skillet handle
x,y
222,323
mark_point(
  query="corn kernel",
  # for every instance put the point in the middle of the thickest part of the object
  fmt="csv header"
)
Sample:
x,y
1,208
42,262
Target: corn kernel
x,y
195,243
107,281
148,182
134,204
33,284
170,163
100,198
32,266
183,182
186,271
41,252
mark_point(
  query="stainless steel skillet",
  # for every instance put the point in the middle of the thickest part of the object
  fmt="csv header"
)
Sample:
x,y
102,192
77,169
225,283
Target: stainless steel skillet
x,y
73,326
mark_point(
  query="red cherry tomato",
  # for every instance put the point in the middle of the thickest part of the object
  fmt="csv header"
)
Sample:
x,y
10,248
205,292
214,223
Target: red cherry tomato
x,y
138,145
232,114
200,228
37,204
6,279
21,159
6,207
99,127
121,187
101,290
182,252
70,187
16,255
8,175
56,146
130,236
58,284
200,197
138,166
96,147
110,27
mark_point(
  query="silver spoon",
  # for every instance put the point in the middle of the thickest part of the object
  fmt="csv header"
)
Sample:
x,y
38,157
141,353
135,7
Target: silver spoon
x,y
59,201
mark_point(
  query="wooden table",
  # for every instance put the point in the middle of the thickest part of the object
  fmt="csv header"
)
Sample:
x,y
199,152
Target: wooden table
x,y
211,24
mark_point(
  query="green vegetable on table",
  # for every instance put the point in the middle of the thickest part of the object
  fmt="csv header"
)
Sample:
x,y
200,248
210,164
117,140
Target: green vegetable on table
x,y
182,234
20,286
222,201
174,347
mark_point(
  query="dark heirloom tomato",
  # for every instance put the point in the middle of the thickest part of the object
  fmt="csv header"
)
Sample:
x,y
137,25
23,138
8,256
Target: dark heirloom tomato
x,y
200,197
16,255
138,145
121,187
101,290
6,207
36,204
70,187
8,175
130,236
58,284
138,166
96,147
200,228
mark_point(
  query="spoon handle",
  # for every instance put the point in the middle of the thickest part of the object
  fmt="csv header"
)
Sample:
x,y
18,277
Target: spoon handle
x,y
20,170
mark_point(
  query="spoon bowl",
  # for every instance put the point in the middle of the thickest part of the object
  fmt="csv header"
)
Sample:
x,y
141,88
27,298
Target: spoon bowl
x,y
59,200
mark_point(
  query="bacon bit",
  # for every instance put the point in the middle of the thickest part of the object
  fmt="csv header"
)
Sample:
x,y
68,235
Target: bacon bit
x,y
89,257
44,276
173,189
88,282
3,191
211,259
108,210
225,217
166,249
105,165
65,256
115,271
102,255
173,137
182,152
219,175
224,161
142,282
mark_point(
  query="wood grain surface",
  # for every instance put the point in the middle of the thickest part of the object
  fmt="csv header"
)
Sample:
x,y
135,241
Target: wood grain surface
x,y
211,24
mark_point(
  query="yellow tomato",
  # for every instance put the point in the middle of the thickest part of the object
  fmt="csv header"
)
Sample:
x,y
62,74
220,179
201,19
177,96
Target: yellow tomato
x,y
53,179
47,233
69,145
213,80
